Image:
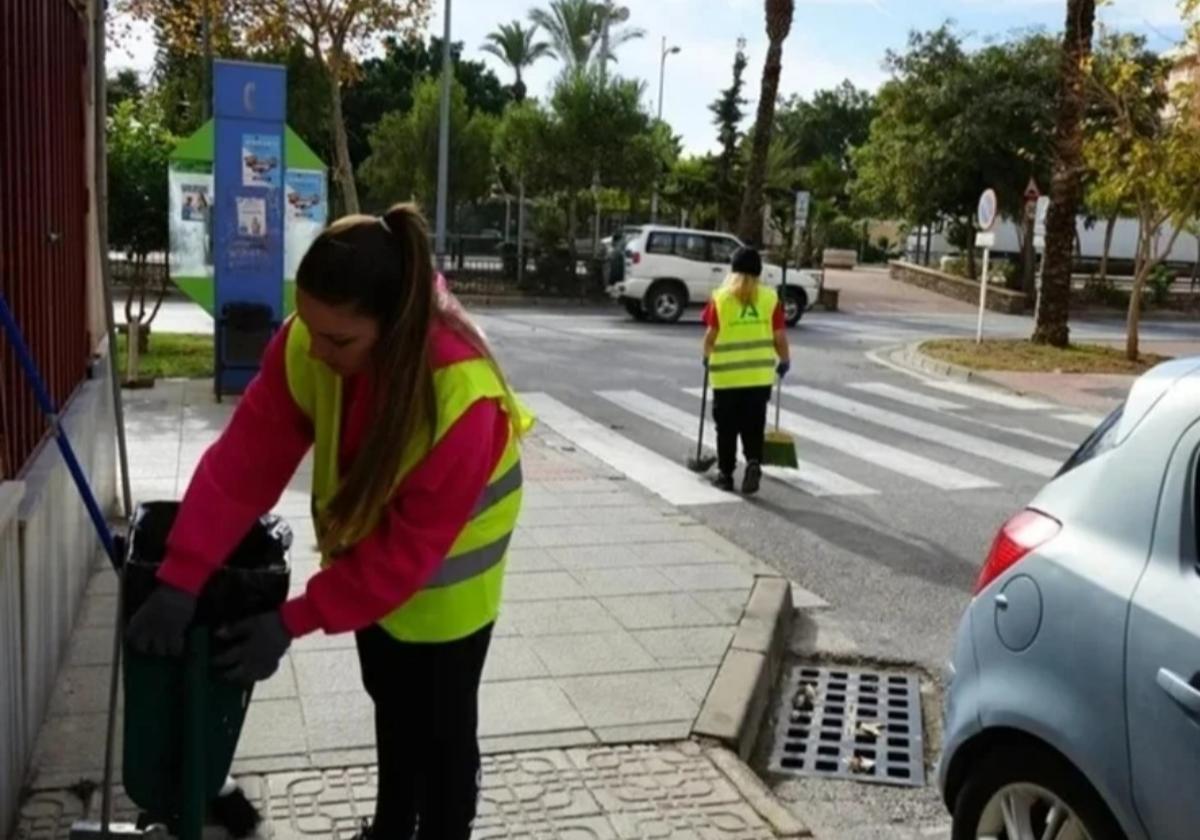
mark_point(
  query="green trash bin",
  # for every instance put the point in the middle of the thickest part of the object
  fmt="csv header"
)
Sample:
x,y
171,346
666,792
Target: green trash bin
x,y
182,722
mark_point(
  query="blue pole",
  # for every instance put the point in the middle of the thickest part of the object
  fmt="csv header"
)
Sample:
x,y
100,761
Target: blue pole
x,y
64,445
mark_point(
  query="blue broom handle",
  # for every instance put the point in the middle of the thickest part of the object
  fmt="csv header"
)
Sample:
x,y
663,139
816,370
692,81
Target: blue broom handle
x,y
64,445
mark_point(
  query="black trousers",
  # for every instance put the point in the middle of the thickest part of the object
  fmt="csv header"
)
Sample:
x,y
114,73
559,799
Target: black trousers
x,y
426,730
740,413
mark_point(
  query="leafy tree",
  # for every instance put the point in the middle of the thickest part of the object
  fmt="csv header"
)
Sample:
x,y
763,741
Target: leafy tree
x,y
951,124
404,157
829,125
1067,181
387,84
518,47
779,23
139,149
1146,157
334,32
595,131
126,85
727,116
691,186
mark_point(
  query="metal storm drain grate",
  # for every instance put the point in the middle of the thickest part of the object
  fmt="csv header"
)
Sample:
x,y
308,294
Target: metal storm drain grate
x,y
843,723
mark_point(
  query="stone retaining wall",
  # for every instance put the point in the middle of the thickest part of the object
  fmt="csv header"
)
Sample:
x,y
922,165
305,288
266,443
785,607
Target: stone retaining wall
x,y
999,299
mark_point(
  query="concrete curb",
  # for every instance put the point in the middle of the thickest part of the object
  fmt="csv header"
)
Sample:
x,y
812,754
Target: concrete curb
x,y
736,703
756,793
910,356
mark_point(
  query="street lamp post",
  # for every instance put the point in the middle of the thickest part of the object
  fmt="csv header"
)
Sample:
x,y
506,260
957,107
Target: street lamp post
x,y
662,67
443,173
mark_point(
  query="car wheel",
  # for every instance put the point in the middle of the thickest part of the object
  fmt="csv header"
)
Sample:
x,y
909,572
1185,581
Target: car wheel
x,y
1030,793
795,302
665,302
635,310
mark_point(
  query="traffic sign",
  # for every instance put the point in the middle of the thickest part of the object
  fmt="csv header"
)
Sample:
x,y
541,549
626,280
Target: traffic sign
x,y
1032,193
987,211
1039,219
803,201
985,239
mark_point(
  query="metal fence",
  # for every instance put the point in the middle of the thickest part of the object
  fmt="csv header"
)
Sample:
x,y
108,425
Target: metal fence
x,y
43,210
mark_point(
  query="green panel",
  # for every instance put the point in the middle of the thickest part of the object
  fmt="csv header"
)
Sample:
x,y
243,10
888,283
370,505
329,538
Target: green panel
x,y
198,148
297,153
199,289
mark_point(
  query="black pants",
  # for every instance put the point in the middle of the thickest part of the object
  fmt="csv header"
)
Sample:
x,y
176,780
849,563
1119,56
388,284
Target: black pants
x,y
426,721
740,413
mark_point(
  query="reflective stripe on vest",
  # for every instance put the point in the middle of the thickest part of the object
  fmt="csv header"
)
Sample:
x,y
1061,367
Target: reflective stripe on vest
x,y
744,353
464,594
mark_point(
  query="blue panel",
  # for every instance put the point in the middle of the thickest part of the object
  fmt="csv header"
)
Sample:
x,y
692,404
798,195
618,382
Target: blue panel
x,y
248,166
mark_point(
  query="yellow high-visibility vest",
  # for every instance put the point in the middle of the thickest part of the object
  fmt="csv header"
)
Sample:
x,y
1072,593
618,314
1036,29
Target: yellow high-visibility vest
x,y
464,594
744,355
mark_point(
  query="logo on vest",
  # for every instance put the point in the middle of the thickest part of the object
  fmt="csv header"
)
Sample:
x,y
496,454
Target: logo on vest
x,y
751,309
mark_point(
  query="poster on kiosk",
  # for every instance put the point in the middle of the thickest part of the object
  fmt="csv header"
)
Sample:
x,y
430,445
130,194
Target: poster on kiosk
x,y
249,104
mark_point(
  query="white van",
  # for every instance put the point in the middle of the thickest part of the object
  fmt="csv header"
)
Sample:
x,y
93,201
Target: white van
x,y
668,269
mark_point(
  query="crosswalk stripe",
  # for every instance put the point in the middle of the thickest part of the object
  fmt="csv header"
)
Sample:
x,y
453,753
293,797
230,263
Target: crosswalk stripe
x,y
895,392
1008,455
1081,419
891,458
809,477
988,395
654,472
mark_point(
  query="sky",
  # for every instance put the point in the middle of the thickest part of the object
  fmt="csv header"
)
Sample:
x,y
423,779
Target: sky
x,y
831,40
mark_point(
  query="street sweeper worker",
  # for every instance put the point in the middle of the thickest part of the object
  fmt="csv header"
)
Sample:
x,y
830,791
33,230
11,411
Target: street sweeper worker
x,y
416,488
745,348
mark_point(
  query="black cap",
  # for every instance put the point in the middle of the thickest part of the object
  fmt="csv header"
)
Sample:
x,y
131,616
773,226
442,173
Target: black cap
x,y
746,261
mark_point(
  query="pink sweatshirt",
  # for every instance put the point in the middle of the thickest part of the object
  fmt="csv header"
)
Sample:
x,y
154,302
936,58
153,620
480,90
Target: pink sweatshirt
x,y
246,471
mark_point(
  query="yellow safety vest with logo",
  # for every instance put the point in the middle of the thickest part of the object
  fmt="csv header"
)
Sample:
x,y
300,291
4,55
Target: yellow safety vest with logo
x,y
464,594
744,355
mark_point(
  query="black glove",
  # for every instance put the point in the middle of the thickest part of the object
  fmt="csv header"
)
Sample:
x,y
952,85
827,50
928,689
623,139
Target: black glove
x,y
256,645
159,626
782,368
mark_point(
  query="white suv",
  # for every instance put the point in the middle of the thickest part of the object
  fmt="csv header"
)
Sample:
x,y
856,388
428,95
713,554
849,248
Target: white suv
x,y
668,269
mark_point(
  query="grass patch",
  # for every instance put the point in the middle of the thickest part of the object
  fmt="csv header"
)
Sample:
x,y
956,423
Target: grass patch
x,y
173,356
1027,357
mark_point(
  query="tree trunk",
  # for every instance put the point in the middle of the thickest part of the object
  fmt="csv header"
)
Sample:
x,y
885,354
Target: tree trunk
x,y
750,226
1110,231
1027,280
1140,272
343,170
928,244
1065,186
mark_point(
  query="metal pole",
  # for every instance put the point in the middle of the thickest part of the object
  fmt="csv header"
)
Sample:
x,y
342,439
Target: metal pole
x,y
521,233
444,145
662,67
983,288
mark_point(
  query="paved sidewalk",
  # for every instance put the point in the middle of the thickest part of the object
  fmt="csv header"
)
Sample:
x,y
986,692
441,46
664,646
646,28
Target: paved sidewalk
x,y
618,612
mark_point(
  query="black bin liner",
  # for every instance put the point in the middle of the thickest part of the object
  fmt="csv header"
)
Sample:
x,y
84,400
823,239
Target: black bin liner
x,y
253,580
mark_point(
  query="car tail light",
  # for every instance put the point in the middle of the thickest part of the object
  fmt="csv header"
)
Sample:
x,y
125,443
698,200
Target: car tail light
x,y
635,257
1020,535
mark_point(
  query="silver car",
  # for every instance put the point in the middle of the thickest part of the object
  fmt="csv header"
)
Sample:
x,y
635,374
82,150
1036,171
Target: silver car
x,y
1073,703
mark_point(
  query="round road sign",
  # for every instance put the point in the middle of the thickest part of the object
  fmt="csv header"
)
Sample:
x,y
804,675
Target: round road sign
x,y
989,207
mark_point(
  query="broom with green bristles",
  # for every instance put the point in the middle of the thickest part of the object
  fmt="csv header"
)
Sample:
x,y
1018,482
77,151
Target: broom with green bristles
x,y
779,448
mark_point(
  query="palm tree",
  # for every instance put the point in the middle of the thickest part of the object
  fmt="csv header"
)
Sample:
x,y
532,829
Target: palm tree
x,y
517,47
1066,183
779,24
578,28
574,30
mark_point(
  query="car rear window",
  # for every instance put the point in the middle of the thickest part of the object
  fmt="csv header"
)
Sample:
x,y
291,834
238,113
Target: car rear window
x,y
722,249
1103,438
660,243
